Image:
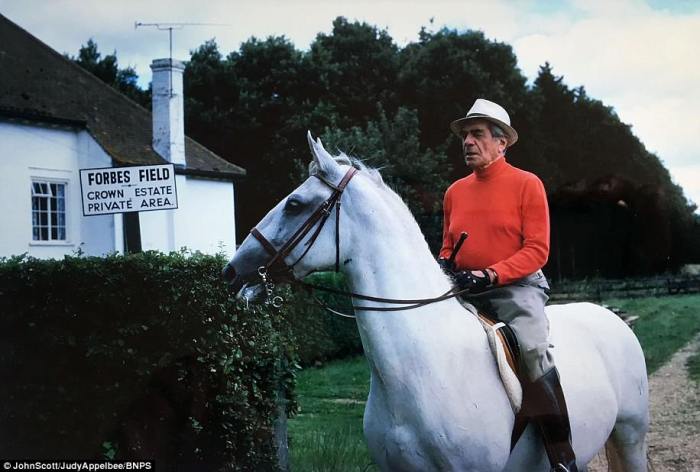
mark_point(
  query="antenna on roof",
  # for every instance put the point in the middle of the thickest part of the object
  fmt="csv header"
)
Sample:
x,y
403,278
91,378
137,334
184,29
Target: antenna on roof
x,y
169,27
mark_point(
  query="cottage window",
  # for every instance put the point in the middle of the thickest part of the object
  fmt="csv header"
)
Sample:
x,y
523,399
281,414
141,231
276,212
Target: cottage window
x,y
48,211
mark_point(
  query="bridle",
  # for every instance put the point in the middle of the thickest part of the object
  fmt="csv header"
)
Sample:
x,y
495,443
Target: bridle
x,y
276,269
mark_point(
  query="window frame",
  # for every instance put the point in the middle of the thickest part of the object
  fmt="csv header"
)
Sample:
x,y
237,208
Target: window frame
x,y
51,224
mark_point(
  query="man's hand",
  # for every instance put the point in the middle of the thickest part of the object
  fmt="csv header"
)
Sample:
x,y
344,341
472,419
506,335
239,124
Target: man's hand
x,y
473,280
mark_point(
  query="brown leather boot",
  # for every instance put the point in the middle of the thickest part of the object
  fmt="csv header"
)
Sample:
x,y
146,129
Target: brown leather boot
x,y
547,408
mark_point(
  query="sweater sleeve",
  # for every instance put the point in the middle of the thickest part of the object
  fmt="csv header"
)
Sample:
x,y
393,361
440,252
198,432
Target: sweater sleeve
x,y
534,252
447,244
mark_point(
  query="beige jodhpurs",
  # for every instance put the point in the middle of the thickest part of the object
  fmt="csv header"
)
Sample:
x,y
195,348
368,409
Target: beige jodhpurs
x,y
521,306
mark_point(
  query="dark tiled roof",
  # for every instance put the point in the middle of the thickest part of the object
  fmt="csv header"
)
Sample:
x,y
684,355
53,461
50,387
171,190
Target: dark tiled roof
x,y
38,83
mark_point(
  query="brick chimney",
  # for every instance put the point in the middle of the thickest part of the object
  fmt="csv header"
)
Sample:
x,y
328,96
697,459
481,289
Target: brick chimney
x,y
168,110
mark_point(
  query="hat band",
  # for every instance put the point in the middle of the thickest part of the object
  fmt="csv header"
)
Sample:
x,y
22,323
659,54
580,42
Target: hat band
x,y
482,115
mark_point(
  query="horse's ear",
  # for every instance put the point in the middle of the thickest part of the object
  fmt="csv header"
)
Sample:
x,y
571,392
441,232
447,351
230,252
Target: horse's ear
x,y
321,157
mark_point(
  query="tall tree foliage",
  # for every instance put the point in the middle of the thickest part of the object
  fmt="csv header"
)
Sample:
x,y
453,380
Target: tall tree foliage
x,y
444,72
107,69
354,68
211,98
615,209
392,144
266,135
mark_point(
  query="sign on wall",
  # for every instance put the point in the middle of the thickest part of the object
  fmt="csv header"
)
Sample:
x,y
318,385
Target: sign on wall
x,y
126,189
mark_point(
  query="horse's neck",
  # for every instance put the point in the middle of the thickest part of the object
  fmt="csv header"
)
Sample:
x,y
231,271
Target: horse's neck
x,y
395,262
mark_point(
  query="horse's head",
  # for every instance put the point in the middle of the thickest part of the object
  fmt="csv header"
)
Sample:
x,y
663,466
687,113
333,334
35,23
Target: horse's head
x,y
299,235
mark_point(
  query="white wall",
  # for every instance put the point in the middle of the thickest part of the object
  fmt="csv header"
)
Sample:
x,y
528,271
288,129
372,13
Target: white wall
x,y
207,220
100,234
204,220
156,228
30,151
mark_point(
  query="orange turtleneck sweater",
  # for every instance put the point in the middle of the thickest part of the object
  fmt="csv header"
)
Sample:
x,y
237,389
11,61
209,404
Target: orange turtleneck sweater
x,y
504,211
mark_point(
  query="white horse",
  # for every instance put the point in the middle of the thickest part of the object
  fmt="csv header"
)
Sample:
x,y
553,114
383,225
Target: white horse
x,y
436,400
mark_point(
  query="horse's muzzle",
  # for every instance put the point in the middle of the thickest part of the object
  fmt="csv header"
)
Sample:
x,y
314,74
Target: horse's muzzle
x,y
235,281
229,273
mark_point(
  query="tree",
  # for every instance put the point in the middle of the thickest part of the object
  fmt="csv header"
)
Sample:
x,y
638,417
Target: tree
x,y
107,69
444,72
607,182
354,68
211,96
267,134
418,175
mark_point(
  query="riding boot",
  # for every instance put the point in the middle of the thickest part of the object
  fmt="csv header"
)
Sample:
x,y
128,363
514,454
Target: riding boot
x,y
547,408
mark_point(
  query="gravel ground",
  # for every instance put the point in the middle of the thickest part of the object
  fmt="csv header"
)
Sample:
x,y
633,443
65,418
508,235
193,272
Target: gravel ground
x,y
674,436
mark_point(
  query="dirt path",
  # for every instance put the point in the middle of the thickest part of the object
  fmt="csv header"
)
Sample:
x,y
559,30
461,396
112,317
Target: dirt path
x,y
674,437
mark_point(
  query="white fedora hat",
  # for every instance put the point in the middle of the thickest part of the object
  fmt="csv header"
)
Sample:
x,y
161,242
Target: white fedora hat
x,y
487,110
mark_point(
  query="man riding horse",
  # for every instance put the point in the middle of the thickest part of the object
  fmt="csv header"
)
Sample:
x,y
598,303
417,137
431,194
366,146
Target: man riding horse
x,y
504,211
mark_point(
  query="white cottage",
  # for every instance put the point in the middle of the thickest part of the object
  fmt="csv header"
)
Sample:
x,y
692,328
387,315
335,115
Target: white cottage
x,y
56,118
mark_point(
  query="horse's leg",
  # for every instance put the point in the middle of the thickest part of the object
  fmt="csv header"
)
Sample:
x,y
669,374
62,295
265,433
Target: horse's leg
x,y
626,449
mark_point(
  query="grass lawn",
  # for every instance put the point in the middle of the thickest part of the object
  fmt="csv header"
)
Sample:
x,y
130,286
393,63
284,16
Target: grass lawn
x,y
327,433
665,324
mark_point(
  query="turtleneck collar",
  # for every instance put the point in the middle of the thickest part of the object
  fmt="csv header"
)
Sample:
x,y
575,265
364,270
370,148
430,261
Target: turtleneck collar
x,y
492,170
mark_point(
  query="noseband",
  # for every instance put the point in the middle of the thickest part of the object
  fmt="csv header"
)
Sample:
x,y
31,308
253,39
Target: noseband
x,y
276,266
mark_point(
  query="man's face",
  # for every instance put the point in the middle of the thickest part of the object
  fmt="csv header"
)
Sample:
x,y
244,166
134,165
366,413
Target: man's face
x,y
480,149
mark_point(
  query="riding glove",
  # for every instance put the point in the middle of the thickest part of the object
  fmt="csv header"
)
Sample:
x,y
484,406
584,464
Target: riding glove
x,y
465,279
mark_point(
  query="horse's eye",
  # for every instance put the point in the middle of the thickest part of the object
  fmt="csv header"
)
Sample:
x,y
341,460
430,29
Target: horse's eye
x,y
293,205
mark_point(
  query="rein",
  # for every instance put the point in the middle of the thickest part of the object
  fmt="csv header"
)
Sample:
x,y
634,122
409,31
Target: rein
x,y
412,303
277,267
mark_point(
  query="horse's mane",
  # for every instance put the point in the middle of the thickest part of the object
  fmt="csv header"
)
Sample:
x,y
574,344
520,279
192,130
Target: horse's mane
x,y
345,159
391,197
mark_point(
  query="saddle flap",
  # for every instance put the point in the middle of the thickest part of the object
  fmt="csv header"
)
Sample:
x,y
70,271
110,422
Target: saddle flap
x,y
506,360
508,340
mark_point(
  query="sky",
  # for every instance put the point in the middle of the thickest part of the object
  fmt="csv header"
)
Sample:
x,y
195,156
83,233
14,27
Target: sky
x,y
638,56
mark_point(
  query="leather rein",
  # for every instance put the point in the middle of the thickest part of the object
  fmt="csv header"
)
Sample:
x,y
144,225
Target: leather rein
x,y
276,267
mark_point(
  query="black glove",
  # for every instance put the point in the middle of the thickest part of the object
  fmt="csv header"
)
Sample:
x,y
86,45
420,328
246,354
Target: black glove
x,y
474,283
447,266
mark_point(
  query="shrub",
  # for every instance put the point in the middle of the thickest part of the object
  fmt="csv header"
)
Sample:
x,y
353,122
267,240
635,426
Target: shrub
x,y
140,356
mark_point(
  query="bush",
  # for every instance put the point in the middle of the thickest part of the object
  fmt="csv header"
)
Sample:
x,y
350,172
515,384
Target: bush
x,y
141,356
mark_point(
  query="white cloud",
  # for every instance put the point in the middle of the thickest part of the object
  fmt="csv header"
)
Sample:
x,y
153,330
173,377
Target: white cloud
x,y
645,66
688,177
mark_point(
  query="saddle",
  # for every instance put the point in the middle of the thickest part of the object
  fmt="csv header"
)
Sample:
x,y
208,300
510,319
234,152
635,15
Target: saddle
x,y
506,350
506,336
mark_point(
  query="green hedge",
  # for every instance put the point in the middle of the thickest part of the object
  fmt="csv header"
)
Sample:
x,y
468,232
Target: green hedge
x,y
141,356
